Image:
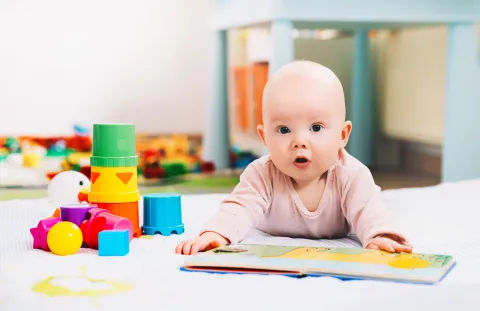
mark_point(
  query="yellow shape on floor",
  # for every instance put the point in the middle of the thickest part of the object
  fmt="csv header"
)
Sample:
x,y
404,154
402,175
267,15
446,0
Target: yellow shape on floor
x,y
82,286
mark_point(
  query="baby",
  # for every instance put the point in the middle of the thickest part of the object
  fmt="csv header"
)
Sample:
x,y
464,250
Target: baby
x,y
308,186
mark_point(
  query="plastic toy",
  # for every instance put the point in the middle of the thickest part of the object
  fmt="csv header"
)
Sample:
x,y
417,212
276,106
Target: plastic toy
x,y
114,185
126,210
76,213
174,169
113,243
64,238
31,160
40,233
80,130
102,220
56,213
78,221
162,213
114,171
68,187
111,218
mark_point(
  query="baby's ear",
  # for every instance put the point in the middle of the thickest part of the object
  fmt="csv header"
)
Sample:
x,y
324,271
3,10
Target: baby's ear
x,y
261,133
346,130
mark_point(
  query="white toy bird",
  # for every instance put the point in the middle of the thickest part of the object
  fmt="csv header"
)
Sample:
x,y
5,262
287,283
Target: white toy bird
x,y
68,187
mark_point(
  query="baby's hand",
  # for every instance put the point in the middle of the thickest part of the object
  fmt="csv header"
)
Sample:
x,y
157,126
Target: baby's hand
x,y
204,242
390,244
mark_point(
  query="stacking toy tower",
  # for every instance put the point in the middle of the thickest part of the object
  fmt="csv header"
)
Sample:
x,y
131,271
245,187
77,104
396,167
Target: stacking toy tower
x,y
114,162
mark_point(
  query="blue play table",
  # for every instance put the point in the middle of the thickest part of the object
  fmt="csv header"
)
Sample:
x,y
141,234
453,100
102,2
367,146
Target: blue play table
x,y
461,148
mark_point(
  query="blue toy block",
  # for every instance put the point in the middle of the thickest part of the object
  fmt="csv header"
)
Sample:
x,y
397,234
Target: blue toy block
x,y
162,214
113,242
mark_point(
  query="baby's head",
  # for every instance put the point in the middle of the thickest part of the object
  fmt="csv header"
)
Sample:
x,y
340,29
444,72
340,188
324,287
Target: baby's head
x,y
304,124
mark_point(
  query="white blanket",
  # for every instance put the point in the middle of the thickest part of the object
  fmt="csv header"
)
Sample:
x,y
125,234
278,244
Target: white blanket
x,y
438,219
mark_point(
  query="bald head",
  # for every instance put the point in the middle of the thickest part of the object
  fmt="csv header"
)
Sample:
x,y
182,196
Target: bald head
x,y
309,78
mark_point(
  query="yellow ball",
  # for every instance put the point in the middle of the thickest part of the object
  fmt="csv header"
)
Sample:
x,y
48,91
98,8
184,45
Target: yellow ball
x,y
64,238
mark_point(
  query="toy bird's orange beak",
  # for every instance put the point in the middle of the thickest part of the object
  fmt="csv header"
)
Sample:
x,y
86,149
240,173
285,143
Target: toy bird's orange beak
x,y
83,194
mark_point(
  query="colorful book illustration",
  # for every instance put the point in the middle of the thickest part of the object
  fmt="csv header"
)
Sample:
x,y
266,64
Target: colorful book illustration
x,y
343,263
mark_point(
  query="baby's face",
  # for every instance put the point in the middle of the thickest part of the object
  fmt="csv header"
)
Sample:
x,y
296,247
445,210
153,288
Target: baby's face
x,y
304,126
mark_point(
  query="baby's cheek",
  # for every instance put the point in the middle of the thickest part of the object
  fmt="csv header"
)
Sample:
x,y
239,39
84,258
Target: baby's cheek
x,y
326,153
277,153
277,145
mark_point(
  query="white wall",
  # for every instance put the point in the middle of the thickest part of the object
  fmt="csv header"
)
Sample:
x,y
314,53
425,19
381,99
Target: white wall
x,y
64,62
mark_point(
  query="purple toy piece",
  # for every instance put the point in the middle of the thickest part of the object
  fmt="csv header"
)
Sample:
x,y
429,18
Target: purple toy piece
x,y
40,233
76,213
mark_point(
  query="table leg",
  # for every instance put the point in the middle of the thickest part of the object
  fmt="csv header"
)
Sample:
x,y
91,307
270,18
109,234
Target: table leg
x,y
216,140
282,45
461,145
361,111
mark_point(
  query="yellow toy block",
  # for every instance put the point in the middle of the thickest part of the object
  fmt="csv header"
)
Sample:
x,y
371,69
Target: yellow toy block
x,y
114,185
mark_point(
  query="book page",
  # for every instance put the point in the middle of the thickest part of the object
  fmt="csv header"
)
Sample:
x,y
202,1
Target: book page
x,y
258,237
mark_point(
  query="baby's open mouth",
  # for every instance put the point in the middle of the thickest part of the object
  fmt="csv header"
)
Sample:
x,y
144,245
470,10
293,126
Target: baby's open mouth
x,y
301,160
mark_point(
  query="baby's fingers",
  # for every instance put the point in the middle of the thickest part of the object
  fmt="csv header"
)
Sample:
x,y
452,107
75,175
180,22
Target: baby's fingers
x,y
372,246
401,248
187,247
179,247
384,244
197,246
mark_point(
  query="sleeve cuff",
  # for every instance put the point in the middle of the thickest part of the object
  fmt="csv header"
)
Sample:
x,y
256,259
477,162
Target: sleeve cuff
x,y
233,226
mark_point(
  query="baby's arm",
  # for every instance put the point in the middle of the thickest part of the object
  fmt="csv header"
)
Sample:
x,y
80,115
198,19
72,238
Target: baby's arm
x,y
240,211
370,220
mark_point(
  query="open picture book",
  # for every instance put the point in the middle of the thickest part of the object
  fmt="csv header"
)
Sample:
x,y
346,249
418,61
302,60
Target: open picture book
x,y
343,263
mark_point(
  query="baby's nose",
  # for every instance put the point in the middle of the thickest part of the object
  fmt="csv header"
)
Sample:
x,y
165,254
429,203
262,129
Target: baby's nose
x,y
299,144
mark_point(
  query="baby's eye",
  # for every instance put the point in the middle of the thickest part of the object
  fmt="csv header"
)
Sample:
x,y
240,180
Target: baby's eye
x,y
316,128
283,130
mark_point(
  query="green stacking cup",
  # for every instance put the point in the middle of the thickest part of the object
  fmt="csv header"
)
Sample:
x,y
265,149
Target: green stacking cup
x,y
114,145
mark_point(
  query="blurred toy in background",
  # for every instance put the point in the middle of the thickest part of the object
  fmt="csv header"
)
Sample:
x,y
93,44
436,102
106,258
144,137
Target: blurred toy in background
x,y
58,148
149,165
10,151
240,159
32,154
41,154
160,157
61,145
81,130
75,161
168,157
12,145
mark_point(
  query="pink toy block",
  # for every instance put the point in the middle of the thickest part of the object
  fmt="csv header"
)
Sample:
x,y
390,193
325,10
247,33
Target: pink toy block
x,y
100,220
40,233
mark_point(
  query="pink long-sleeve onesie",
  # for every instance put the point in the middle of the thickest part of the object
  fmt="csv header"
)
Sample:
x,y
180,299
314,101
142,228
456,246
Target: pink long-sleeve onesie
x,y
265,199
